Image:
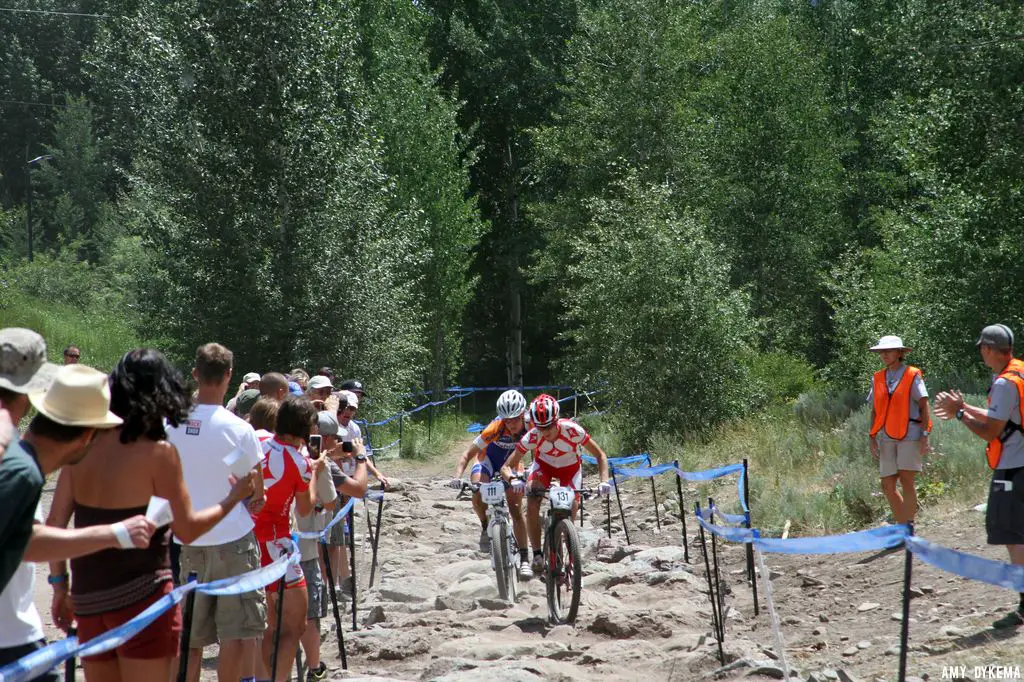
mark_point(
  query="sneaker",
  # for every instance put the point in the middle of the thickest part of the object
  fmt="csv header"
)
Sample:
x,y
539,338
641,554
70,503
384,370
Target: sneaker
x,y
1013,619
485,541
525,570
538,565
317,675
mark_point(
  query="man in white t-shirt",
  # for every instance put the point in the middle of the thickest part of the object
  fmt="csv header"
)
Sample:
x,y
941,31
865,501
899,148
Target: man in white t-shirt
x,y
210,434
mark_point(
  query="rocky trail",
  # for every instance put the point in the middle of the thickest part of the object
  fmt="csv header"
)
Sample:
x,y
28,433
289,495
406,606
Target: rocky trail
x,y
434,613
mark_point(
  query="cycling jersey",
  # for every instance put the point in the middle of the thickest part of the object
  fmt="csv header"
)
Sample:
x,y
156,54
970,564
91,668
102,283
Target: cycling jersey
x,y
286,471
561,452
497,441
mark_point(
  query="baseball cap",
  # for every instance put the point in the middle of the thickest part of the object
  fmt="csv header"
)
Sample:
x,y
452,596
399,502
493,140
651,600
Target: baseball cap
x,y
353,385
23,365
327,423
320,381
295,389
250,377
351,398
997,336
245,400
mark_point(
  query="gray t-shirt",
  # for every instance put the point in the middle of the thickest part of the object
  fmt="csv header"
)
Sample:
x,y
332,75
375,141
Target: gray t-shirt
x,y
1004,404
917,391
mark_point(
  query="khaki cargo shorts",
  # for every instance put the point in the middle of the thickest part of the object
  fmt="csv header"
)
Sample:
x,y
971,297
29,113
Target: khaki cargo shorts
x,y
216,619
898,455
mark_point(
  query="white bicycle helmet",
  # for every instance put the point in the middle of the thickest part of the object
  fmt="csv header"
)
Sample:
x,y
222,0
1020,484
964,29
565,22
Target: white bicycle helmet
x,y
511,404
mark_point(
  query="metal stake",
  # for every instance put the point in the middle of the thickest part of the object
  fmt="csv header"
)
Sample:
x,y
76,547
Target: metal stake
x,y
334,603
750,548
682,515
908,564
186,631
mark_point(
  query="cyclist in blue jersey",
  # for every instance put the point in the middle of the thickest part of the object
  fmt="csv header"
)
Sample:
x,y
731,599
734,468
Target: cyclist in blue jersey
x,y
490,450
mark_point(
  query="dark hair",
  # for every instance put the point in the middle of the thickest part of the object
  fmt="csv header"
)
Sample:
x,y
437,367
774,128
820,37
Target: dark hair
x,y
7,396
327,372
47,428
144,391
213,362
272,382
263,414
295,417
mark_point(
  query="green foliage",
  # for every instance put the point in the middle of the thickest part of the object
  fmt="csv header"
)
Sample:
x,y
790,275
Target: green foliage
x,y
652,313
779,377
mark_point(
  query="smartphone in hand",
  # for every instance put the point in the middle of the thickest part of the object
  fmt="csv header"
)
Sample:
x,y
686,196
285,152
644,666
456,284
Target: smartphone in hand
x,y
315,445
347,446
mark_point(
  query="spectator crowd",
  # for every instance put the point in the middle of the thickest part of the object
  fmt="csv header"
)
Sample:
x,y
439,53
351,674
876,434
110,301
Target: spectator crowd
x,y
161,483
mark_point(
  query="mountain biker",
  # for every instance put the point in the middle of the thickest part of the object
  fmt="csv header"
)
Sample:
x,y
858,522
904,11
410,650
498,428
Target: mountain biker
x,y
491,449
555,444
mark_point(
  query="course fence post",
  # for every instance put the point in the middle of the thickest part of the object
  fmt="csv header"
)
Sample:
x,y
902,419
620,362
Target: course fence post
x,y
430,423
334,603
298,663
750,547
352,564
711,587
277,630
186,631
608,515
718,582
618,498
69,665
682,513
908,564
401,421
654,494
376,535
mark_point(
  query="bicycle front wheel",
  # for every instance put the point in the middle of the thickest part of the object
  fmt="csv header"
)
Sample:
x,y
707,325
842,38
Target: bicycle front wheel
x,y
565,573
499,557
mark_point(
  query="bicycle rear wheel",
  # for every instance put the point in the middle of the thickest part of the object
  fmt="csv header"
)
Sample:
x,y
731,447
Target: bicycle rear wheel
x,y
565,573
499,556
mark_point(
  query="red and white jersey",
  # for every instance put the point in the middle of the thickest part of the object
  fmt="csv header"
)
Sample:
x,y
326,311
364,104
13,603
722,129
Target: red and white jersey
x,y
286,471
563,451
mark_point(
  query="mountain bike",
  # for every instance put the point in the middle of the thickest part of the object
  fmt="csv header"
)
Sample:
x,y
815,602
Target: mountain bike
x,y
563,561
504,548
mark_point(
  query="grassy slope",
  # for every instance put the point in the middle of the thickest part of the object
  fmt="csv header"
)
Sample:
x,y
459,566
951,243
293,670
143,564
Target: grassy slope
x,y
103,336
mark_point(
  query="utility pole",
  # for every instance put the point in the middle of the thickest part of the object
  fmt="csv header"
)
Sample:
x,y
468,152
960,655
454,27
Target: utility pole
x,y
28,206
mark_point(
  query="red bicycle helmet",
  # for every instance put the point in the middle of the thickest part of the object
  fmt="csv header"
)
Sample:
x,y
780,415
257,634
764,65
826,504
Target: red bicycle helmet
x,y
543,411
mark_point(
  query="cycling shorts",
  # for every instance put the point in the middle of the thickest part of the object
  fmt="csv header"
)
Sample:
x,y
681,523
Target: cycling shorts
x,y
543,474
270,551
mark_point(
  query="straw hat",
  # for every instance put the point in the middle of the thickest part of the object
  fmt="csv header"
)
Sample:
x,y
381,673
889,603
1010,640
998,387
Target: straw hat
x,y
889,343
79,396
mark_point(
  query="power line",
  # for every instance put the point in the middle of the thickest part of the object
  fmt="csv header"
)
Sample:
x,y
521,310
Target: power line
x,y
46,11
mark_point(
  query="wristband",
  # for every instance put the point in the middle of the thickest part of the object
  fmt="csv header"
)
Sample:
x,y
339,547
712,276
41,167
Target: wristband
x,y
57,579
960,414
124,540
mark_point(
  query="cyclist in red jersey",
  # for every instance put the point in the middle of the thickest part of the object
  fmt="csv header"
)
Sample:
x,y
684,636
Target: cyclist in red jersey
x,y
555,444
289,476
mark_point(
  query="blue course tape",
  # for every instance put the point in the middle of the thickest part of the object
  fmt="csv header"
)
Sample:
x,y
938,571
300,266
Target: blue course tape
x,y
729,533
38,662
618,461
475,427
322,534
644,472
988,571
862,541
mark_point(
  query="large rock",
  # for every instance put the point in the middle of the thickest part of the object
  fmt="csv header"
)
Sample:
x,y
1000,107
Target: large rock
x,y
402,646
483,649
662,558
624,625
454,572
409,590
474,586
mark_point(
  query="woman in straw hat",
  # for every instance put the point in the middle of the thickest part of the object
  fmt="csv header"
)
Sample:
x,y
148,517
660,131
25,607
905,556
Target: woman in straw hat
x,y
900,424
126,470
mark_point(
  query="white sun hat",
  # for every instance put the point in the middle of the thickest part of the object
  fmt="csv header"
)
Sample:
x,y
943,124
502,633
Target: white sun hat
x,y
889,343
79,396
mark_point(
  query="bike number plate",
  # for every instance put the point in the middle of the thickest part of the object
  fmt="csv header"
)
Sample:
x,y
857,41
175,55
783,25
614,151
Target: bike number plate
x,y
561,498
492,493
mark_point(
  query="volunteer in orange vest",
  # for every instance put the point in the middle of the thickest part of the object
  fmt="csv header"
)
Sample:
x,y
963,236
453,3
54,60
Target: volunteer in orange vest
x,y
999,425
900,424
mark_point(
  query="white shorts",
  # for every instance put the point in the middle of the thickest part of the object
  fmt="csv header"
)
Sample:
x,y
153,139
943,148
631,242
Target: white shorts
x,y
898,455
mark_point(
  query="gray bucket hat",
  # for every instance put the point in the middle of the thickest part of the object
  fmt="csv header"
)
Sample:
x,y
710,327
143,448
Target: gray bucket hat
x,y
23,365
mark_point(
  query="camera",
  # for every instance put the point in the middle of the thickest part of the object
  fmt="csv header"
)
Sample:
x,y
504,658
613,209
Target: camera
x,y
347,446
315,444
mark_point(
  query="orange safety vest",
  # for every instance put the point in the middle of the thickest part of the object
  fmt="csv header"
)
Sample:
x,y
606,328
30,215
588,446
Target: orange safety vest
x,y
893,411
1014,373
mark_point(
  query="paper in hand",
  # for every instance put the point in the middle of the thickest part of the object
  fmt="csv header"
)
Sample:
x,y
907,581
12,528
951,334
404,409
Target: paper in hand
x,y
159,511
239,463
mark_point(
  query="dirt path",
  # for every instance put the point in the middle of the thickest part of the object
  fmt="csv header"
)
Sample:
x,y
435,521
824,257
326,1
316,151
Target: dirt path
x,y
645,613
